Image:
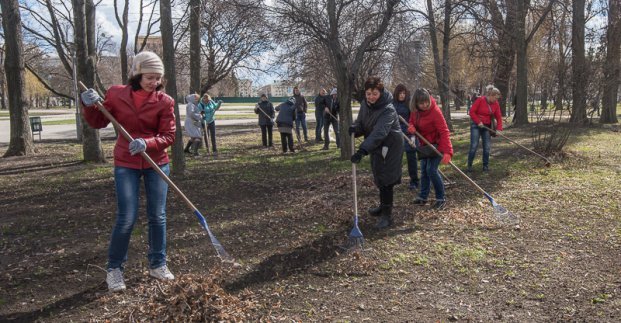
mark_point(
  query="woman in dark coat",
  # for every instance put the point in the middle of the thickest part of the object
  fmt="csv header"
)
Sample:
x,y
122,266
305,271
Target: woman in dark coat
x,y
377,121
266,120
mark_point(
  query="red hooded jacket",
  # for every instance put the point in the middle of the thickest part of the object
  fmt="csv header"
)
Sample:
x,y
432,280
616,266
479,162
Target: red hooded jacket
x,y
431,125
480,112
153,121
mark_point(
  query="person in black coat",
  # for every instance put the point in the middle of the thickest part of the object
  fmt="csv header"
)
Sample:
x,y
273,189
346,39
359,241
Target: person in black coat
x,y
321,101
330,117
284,121
401,102
265,110
383,141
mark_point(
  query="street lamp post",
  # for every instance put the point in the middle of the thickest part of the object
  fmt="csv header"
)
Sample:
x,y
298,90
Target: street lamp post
x,y
78,119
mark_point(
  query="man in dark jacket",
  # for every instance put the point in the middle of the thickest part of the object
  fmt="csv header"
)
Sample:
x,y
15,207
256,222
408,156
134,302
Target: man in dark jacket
x,y
265,110
321,101
301,106
379,123
330,117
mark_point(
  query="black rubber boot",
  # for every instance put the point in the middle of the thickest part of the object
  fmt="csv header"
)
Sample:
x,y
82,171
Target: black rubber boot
x,y
375,211
386,219
195,147
187,147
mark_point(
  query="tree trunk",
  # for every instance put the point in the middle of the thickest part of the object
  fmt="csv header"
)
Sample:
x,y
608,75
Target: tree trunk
x,y
123,21
578,64
440,67
446,68
195,46
612,76
21,136
521,91
505,53
346,88
171,83
84,22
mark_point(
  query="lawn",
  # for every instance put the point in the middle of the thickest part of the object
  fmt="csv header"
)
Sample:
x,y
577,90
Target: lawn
x,y
283,217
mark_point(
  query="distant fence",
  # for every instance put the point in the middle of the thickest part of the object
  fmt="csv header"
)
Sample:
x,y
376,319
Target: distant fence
x,y
274,99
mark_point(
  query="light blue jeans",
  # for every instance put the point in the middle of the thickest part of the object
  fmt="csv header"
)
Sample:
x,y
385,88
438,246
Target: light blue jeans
x,y
475,134
300,118
127,183
429,175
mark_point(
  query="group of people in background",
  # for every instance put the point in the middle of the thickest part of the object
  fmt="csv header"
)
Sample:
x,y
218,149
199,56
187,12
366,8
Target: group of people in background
x,y
200,119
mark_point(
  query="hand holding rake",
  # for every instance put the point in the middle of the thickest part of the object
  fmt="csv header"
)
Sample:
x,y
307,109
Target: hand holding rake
x,y
224,256
413,145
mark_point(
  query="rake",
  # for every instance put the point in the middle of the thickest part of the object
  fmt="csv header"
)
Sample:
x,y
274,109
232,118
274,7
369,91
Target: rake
x,y
413,145
355,239
205,136
501,213
224,256
547,164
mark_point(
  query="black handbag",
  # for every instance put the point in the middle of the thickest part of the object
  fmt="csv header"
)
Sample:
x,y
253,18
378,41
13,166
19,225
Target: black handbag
x,y
426,151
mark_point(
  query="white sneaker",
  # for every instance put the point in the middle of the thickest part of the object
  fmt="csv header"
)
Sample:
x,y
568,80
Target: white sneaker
x,y
115,280
161,273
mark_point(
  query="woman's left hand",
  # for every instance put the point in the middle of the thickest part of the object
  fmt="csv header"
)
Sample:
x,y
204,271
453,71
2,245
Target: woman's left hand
x,y
446,159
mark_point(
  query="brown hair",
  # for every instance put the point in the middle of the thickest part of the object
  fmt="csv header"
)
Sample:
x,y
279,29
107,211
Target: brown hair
x,y
420,95
374,82
400,88
134,81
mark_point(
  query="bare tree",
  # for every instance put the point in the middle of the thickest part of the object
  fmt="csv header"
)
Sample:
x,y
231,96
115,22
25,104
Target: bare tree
x,y
233,32
123,21
195,45
171,82
347,29
612,76
578,63
84,29
21,137
442,65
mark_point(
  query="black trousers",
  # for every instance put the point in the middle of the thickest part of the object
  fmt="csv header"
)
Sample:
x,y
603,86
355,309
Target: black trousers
x,y
286,139
211,127
386,195
266,135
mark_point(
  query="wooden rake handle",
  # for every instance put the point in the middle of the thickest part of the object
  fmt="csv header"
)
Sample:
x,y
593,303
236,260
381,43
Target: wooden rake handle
x,y
548,163
144,155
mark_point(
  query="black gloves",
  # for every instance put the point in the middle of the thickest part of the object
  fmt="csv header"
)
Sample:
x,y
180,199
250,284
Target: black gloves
x,y
355,158
352,129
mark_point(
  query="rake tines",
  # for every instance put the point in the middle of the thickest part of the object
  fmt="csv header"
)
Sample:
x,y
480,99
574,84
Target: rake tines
x,y
355,240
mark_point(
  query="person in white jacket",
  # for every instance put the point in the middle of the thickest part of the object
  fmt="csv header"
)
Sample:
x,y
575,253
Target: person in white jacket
x,y
192,124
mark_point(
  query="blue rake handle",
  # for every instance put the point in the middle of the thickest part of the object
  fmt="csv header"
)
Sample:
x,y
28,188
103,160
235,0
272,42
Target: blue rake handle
x,y
224,256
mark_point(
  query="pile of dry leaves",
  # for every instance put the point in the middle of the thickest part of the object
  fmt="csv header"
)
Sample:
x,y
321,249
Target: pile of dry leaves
x,y
190,298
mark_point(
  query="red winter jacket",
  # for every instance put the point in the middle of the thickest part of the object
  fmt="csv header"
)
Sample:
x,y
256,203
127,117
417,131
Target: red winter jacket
x,y
431,125
154,122
480,112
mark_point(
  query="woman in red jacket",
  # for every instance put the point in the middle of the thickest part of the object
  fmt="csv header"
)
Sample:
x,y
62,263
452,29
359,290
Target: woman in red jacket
x,y
147,114
485,112
427,119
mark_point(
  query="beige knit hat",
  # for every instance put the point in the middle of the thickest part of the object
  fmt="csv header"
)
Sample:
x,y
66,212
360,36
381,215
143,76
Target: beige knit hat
x,y
146,62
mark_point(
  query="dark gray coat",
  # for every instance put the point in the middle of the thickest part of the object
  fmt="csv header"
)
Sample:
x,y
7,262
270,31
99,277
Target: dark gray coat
x,y
268,108
379,124
286,114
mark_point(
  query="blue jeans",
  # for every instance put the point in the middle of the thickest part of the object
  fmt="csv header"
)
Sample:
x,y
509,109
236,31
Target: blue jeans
x,y
475,134
127,183
319,126
429,175
301,119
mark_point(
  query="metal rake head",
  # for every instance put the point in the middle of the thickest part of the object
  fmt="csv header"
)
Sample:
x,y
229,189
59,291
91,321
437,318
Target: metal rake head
x,y
502,214
355,240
